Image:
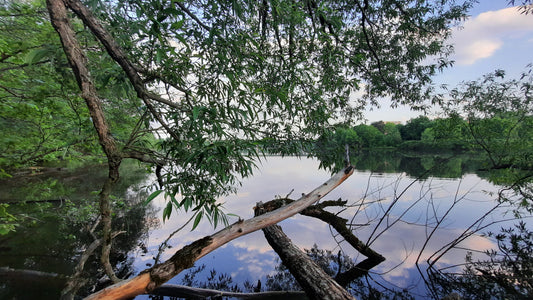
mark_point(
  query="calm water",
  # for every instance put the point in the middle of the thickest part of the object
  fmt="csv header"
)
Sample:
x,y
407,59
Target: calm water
x,y
456,201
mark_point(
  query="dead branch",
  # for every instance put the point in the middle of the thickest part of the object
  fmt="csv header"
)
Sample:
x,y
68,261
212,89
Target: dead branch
x,y
316,283
184,258
340,225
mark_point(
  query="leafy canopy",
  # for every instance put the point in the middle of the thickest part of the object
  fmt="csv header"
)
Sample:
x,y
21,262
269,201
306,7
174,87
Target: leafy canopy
x,y
231,74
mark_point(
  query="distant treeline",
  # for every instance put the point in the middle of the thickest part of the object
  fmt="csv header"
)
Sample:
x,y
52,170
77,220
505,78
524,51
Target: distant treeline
x,y
505,141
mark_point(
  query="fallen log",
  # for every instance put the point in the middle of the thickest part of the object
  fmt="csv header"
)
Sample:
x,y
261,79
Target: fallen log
x,y
316,283
339,224
150,279
181,291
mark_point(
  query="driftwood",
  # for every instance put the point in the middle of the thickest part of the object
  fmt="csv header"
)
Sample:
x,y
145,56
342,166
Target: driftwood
x,y
181,291
184,258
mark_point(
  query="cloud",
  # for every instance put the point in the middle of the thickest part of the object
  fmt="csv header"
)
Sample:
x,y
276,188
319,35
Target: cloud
x,y
482,36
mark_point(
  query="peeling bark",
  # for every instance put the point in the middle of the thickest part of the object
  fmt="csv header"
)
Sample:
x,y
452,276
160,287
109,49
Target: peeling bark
x,y
150,279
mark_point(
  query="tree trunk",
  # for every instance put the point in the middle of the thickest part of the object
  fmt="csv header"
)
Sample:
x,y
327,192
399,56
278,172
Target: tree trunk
x,y
78,62
339,224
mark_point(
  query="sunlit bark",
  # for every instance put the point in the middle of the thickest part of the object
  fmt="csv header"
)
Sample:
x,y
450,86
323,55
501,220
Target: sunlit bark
x,y
184,258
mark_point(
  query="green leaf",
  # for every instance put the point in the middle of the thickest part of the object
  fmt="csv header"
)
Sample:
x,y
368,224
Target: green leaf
x,y
177,25
167,211
151,197
36,55
197,220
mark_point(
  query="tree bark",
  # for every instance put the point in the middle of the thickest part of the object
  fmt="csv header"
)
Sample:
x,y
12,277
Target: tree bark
x,y
184,258
114,50
78,62
316,283
339,224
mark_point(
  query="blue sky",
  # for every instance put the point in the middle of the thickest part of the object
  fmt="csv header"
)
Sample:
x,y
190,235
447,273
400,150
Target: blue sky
x,y
496,36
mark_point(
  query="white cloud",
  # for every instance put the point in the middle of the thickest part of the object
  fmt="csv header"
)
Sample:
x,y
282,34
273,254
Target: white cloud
x,y
484,34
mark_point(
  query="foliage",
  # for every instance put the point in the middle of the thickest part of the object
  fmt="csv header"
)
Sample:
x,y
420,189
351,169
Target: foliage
x,y
414,128
215,280
392,136
242,72
507,274
8,222
43,119
370,136
498,116
526,6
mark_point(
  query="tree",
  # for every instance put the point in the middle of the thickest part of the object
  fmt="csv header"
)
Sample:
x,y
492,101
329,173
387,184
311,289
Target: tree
x,y
498,115
506,273
370,136
212,78
392,135
42,117
414,128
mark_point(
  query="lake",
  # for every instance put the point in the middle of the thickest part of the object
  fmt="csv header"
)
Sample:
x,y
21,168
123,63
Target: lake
x,y
408,208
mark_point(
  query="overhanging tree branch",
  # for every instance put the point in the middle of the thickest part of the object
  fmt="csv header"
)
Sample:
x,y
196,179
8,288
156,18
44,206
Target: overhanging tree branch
x,y
115,51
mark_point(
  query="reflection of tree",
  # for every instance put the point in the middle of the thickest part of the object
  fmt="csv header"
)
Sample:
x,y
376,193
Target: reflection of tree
x,y
414,164
383,214
53,237
282,280
316,283
333,264
507,273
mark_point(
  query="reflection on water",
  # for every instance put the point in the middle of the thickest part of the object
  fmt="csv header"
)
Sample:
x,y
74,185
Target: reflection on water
x,y
52,235
454,204
391,210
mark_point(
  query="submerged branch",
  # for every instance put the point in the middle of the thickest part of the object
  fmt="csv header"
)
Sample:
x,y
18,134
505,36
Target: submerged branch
x,y
340,225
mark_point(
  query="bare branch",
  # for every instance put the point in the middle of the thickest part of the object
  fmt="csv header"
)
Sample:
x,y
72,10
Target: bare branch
x,y
184,258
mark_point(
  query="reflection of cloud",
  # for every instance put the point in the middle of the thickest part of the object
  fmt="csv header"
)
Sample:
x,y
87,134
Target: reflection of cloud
x,y
483,35
250,256
402,244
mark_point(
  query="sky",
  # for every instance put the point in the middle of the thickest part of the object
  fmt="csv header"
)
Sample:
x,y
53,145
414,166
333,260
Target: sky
x,y
495,36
